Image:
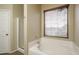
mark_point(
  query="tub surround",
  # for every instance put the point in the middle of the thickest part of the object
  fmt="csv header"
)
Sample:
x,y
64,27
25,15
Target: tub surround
x,y
49,46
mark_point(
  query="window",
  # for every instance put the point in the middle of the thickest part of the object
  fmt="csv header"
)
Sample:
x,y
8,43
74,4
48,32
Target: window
x,y
56,22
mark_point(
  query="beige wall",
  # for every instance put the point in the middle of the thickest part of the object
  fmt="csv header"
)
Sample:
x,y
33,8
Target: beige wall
x,y
70,18
18,12
21,36
32,25
77,24
33,21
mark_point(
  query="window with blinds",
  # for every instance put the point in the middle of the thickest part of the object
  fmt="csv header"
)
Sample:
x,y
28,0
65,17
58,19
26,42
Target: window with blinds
x,y
56,22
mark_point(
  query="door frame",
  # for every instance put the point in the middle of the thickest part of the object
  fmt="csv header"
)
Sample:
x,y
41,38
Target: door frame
x,y
10,25
9,30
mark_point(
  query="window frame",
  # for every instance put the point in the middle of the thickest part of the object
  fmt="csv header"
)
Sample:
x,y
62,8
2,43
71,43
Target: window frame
x,y
67,5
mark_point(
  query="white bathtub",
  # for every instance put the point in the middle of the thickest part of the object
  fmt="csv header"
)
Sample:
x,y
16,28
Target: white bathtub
x,y
49,46
34,48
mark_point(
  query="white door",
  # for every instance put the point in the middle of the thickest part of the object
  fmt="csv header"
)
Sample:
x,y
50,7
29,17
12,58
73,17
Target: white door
x,y
4,30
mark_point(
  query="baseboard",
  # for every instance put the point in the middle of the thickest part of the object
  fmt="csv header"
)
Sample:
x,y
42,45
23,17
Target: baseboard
x,y
20,50
13,51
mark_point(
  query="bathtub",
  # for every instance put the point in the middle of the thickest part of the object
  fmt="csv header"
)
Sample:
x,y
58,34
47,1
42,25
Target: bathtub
x,y
49,46
34,48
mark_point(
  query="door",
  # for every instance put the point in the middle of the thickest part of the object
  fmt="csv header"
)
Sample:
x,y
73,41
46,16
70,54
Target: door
x,y
4,30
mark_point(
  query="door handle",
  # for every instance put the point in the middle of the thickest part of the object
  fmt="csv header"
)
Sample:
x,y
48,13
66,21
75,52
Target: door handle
x,y
6,34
